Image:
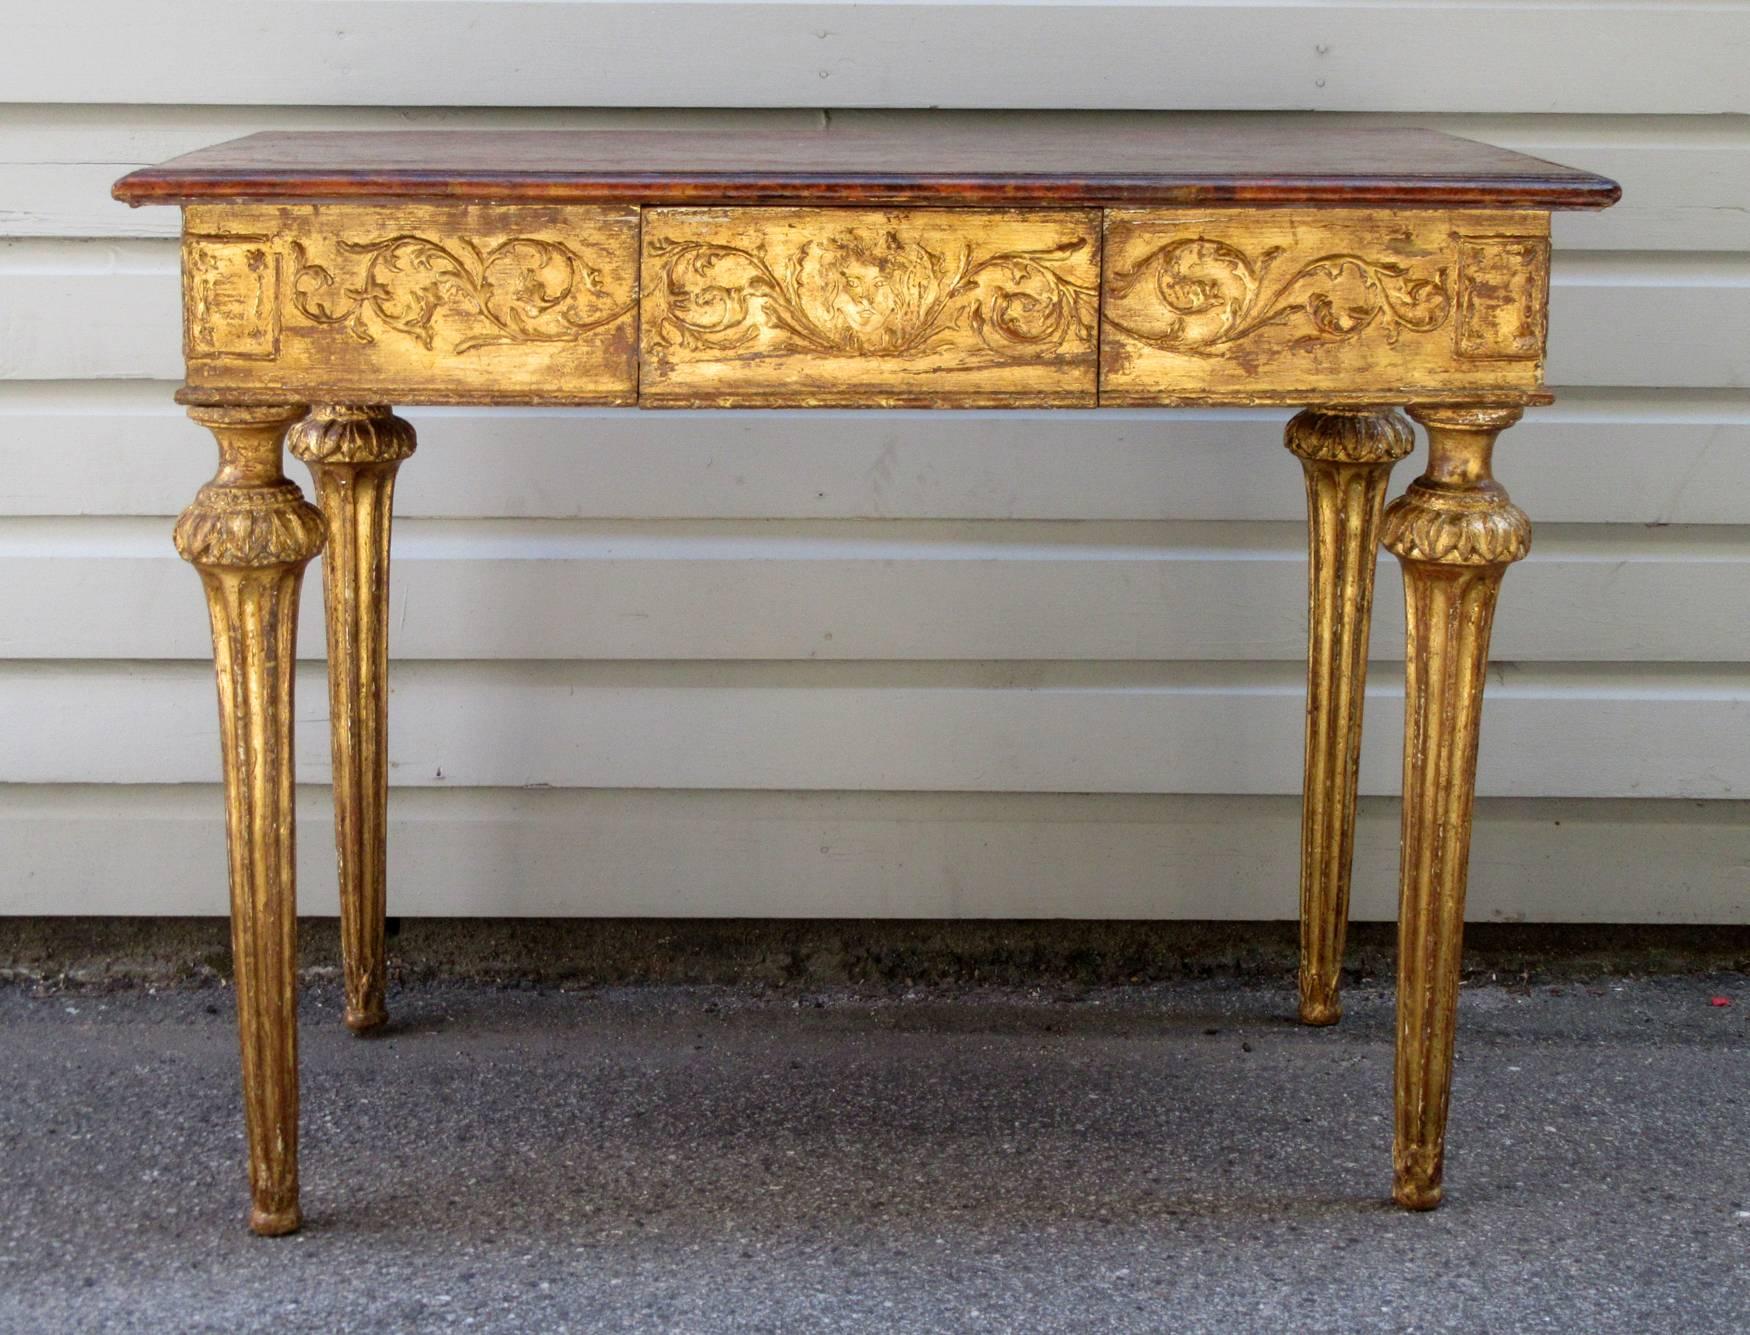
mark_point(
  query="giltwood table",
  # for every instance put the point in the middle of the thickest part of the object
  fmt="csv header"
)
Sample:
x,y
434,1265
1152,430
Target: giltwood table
x,y
1347,273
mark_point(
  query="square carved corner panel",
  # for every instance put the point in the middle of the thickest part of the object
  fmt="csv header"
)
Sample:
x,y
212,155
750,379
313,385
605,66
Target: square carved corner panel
x,y
413,303
932,307
1295,305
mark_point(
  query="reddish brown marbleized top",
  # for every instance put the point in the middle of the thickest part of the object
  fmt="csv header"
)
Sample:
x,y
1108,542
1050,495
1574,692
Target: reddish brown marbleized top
x,y
1173,164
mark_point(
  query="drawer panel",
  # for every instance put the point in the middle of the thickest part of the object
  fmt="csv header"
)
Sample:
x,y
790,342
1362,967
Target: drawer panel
x,y
1320,305
413,303
933,307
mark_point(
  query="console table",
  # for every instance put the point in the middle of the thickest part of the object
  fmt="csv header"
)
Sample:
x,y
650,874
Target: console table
x,y
1346,273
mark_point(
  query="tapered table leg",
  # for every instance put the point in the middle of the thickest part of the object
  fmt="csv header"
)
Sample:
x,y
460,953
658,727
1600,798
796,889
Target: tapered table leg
x,y
1456,533
1348,458
353,452
250,533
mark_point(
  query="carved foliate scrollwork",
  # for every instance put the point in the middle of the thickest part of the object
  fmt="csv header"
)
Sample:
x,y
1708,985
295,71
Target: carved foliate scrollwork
x,y
581,303
351,433
526,289
1207,295
412,302
1457,514
1333,306
871,292
1478,526
235,527
1370,436
250,515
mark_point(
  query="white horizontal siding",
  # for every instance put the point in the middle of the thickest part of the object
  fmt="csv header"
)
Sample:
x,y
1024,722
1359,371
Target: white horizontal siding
x,y
1651,456
1328,55
878,590
1088,727
1028,664
499,852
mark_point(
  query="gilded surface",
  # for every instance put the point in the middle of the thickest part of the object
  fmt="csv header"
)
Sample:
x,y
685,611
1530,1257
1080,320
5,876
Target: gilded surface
x,y
1283,305
1450,587
354,452
1206,297
253,526
462,302
230,294
525,289
250,533
1503,297
1465,518
1480,528
1347,458
810,306
353,306
366,433
414,302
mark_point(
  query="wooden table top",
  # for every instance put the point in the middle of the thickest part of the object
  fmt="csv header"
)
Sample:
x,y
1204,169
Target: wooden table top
x,y
1265,162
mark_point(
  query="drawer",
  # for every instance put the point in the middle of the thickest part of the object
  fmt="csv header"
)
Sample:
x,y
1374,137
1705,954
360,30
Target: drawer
x,y
1320,305
814,307
413,303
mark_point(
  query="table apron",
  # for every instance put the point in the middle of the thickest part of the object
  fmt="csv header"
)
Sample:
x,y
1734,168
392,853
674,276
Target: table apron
x,y
472,302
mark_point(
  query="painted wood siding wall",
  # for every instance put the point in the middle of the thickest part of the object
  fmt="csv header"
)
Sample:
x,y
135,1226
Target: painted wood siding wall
x,y
882,664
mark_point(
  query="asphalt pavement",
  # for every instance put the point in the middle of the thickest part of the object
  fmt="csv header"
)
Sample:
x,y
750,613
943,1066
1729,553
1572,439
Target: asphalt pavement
x,y
680,1158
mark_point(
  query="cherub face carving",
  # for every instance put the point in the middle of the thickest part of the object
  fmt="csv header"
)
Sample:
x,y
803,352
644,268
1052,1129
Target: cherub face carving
x,y
867,291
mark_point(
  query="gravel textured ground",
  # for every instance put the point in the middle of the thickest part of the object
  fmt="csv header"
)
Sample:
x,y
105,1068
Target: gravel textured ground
x,y
715,1159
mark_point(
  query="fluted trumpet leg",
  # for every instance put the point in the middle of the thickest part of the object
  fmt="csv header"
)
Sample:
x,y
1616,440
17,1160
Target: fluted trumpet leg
x,y
250,533
1348,458
353,452
1456,532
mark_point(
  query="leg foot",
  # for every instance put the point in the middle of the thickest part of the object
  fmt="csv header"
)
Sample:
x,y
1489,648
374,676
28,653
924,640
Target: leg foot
x,y
250,533
275,1223
1347,457
363,1021
353,452
1455,532
1414,1192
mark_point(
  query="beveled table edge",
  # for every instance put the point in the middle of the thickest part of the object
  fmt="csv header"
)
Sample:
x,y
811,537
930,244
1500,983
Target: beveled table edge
x,y
157,185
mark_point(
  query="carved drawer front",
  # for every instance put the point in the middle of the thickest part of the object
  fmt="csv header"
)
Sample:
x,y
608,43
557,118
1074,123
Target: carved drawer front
x,y
1277,305
939,307
413,303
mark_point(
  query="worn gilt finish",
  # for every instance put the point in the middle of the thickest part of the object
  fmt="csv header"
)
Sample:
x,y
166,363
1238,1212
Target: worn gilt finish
x,y
1286,305
1347,458
838,306
250,533
804,307
353,452
1456,533
413,303
1344,272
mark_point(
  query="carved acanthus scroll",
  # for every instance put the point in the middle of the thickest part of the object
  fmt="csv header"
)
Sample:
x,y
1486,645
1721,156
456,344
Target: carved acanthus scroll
x,y
860,292
416,302
935,307
835,305
1208,295
1336,306
528,289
